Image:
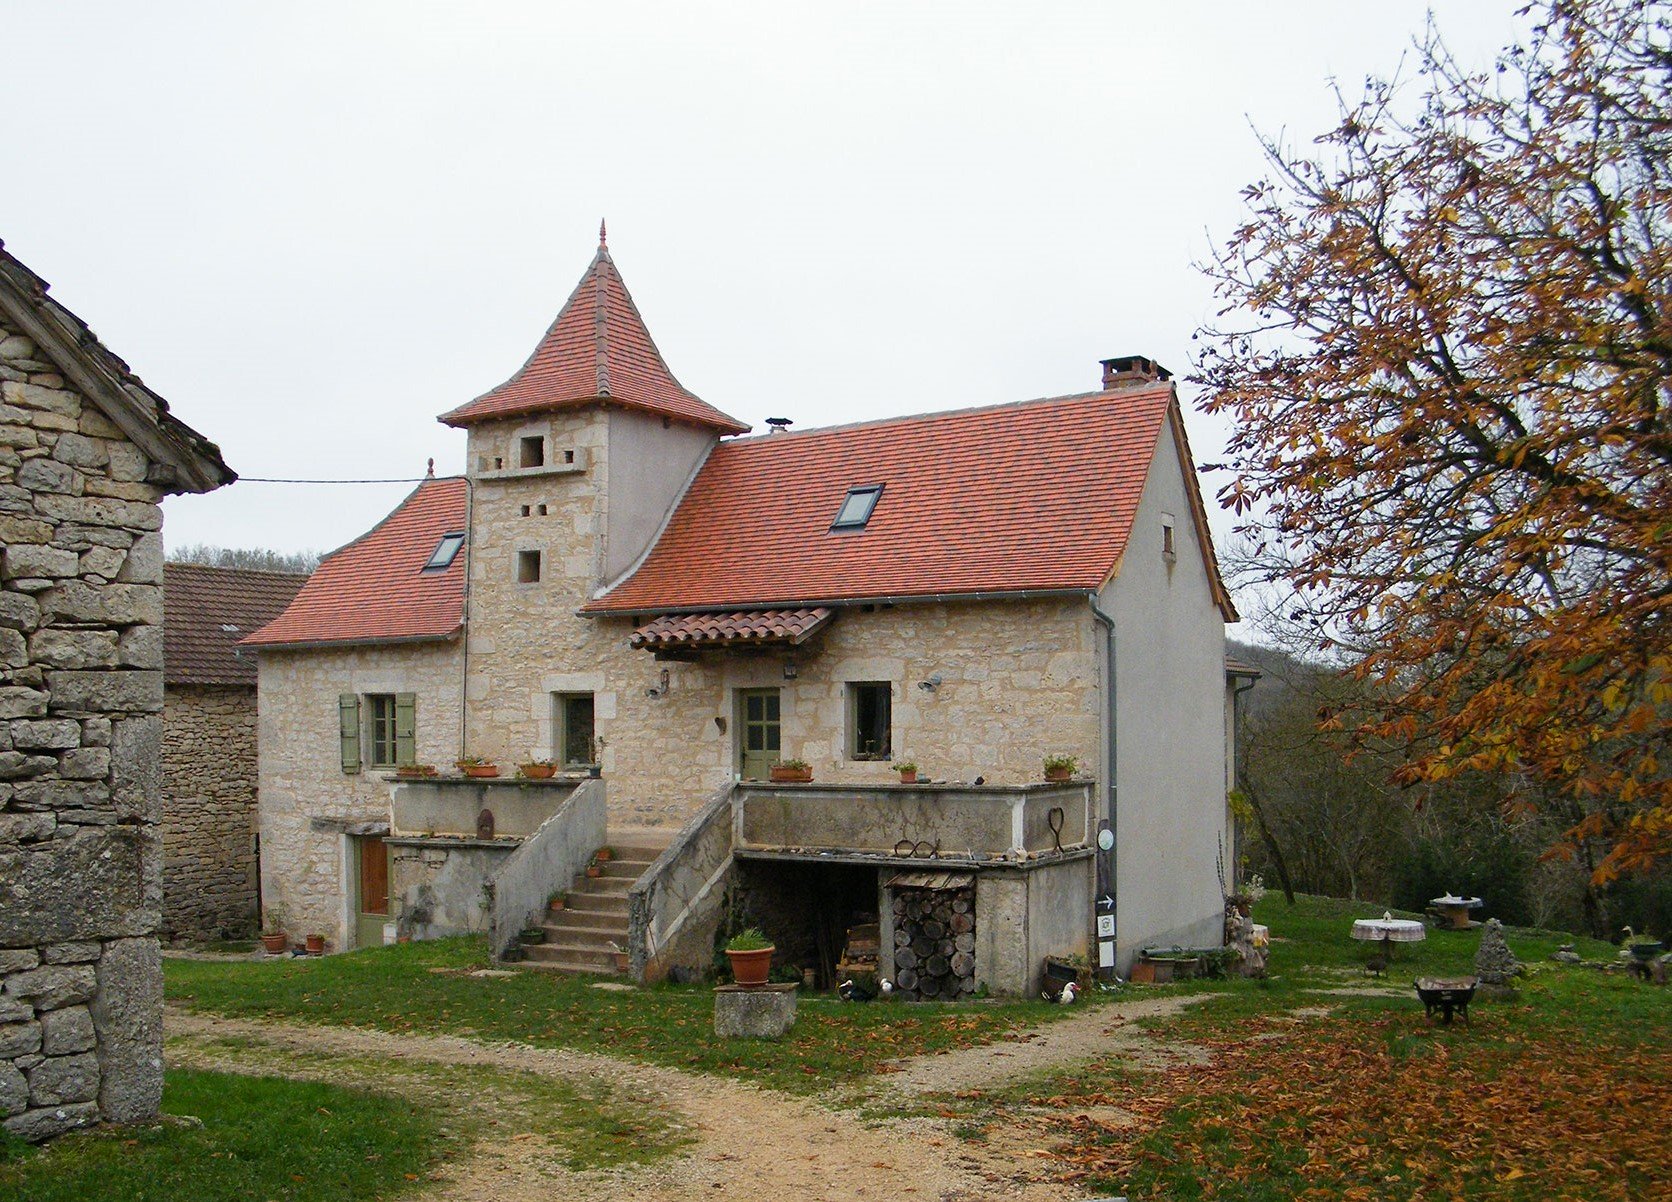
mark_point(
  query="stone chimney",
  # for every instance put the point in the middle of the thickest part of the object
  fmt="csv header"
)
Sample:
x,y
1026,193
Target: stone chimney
x,y
1126,371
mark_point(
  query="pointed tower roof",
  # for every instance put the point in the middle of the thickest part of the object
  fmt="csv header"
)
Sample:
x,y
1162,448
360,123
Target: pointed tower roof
x,y
598,350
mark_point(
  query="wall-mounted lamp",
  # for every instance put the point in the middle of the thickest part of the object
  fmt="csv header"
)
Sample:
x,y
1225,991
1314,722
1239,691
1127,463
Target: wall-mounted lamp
x,y
791,669
930,685
660,687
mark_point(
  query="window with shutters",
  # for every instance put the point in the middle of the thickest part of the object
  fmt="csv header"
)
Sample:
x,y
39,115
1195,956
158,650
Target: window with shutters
x,y
378,730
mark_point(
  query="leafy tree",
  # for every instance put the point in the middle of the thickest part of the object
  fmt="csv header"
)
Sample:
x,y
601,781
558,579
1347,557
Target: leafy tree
x,y
258,559
1447,348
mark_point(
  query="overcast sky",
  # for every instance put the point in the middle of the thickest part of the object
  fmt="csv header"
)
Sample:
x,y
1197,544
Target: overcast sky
x,y
313,227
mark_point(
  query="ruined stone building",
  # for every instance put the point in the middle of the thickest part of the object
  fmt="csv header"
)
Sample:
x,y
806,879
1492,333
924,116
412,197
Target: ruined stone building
x,y
209,745
624,582
86,454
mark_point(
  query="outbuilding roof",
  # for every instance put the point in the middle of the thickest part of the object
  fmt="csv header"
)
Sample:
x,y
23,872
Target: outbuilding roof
x,y
597,351
377,589
1035,497
207,611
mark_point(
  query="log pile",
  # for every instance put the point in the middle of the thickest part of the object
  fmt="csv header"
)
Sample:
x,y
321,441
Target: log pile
x,y
934,943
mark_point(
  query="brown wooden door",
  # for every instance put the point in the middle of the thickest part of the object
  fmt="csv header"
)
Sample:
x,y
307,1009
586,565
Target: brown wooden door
x,y
371,897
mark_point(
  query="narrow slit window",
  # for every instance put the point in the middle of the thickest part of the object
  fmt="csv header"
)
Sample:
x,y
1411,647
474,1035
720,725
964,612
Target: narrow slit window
x,y
445,552
1168,551
532,452
856,507
528,567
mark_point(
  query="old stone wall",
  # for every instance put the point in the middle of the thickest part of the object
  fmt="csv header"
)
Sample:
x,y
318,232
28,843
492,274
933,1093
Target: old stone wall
x,y
81,695
309,806
209,811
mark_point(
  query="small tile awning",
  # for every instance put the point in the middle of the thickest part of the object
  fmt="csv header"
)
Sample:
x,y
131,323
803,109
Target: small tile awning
x,y
695,632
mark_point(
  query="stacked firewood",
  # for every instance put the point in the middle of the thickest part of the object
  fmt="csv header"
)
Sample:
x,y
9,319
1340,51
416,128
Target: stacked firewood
x,y
934,943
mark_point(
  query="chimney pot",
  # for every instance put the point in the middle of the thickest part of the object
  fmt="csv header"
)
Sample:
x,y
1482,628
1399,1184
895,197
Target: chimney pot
x,y
1126,370
779,424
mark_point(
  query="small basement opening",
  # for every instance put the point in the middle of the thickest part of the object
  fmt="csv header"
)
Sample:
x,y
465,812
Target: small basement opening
x,y
809,910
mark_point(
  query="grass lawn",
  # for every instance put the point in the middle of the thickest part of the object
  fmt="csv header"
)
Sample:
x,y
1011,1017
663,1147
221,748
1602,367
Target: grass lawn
x,y
261,1137
1561,1092
424,988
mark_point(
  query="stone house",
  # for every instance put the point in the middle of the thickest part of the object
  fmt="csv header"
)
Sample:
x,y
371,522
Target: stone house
x,y
86,453
209,745
626,585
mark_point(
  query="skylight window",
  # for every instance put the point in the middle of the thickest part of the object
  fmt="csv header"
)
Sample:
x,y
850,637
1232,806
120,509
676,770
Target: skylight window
x,y
445,552
856,507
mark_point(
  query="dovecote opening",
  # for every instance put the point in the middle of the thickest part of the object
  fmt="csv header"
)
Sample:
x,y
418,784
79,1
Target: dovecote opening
x,y
531,451
528,567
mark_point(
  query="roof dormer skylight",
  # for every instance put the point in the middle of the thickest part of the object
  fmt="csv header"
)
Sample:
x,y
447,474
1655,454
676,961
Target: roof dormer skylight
x,y
445,551
856,507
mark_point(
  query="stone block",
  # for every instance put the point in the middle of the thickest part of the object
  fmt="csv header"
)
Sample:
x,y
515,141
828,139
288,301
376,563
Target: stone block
x,y
25,828
46,734
18,959
102,561
29,560
762,1012
19,1039
44,476
61,796
128,1016
85,763
104,692
95,882
53,985
66,1031
14,529
111,604
136,760
12,1010
127,462
86,951
46,400
80,451
100,511
18,612
19,702
75,537
14,765
56,647
14,650
145,561
14,1091
141,647
16,346
33,1126
61,1080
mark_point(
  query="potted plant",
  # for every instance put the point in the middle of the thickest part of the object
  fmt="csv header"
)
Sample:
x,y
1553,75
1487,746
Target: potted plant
x,y
537,769
594,869
792,772
531,935
557,900
623,959
414,771
315,943
907,771
1060,767
273,938
750,953
475,765
604,854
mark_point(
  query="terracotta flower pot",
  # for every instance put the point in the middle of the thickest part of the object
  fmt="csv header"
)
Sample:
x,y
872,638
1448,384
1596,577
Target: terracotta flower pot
x,y
480,771
316,945
1058,775
593,871
623,962
276,944
908,778
751,968
538,771
604,855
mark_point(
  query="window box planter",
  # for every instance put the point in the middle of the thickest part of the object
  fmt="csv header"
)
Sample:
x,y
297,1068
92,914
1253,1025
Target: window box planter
x,y
477,769
536,771
792,772
415,772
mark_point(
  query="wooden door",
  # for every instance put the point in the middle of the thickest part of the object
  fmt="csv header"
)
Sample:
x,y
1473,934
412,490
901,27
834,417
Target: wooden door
x,y
757,731
371,894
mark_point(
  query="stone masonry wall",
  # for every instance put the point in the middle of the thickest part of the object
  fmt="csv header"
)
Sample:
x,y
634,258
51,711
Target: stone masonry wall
x,y
81,695
209,811
308,804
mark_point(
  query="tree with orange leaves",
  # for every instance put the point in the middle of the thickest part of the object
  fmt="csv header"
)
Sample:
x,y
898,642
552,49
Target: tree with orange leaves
x,y
1448,354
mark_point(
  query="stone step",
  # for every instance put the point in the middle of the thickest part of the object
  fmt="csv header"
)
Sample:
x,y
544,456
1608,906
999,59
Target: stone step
x,y
571,968
557,933
567,953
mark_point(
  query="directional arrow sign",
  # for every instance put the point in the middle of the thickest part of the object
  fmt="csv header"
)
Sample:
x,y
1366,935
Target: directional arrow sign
x,y
1106,902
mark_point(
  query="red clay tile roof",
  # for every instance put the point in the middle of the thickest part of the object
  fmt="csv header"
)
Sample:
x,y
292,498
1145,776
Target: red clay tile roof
x,y
694,631
206,611
1037,496
598,349
375,590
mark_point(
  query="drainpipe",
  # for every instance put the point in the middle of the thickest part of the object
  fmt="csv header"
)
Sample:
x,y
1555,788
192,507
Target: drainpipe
x,y
464,613
1109,762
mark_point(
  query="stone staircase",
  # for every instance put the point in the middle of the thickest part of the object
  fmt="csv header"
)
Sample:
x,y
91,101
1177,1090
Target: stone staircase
x,y
579,937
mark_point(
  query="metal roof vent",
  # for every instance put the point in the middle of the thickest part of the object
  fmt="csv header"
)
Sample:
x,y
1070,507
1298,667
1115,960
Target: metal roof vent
x,y
1127,370
780,425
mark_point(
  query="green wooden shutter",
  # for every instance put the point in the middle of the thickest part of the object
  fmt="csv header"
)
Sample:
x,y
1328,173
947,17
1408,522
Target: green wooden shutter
x,y
348,727
406,729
